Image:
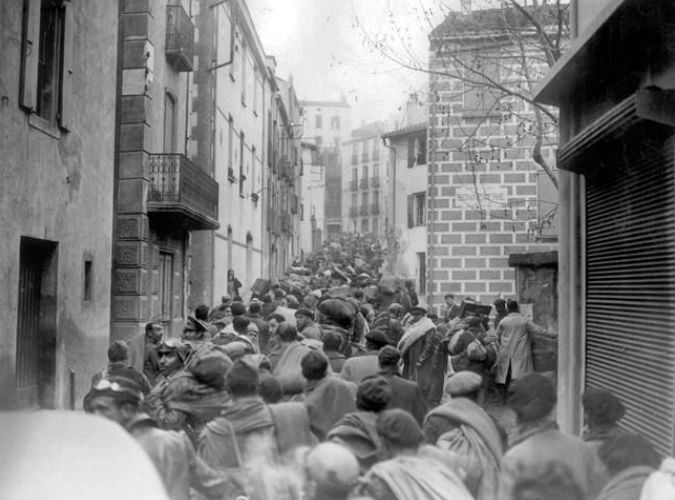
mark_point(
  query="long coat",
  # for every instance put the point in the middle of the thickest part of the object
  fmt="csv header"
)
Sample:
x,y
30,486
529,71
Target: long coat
x,y
514,333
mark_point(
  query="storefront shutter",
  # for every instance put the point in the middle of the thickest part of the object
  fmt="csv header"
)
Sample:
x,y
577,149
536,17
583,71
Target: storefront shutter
x,y
630,282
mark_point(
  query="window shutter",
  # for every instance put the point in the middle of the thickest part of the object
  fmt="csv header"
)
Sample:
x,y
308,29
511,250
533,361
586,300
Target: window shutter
x,y
31,50
411,211
67,93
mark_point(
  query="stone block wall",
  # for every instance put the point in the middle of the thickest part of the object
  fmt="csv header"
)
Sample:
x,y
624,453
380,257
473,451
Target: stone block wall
x,y
483,194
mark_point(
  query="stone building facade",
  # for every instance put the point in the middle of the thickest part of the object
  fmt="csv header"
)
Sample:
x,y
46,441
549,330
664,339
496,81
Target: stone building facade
x,y
162,195
364,180
57,137
486,193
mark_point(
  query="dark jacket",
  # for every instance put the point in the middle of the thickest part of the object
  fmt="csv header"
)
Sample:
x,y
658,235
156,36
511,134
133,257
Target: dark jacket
x,y
406,395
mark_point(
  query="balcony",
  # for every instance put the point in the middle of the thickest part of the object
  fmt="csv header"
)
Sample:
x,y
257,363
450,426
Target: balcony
x,y
180,34
375,181
353,185
353,211
182,193
375,209
363,210
364,183
364,156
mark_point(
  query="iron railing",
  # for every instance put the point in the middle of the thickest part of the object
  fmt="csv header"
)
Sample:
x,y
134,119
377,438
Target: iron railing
x,y
180,33
177,184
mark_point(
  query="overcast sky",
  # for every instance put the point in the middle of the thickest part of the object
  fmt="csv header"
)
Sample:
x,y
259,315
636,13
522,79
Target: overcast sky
x,y
321,44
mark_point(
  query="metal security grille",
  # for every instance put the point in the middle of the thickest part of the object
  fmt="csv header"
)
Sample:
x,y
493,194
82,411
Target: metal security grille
x,y
630,283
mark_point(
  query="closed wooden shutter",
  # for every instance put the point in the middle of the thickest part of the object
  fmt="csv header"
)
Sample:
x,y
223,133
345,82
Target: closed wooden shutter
x,y
411,211
630,283
30,53
68,97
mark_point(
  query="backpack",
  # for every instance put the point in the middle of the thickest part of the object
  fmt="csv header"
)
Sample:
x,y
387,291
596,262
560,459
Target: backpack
x,y
476,351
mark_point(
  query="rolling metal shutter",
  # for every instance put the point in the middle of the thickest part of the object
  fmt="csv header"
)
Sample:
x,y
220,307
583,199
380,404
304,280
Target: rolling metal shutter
x,y
630,282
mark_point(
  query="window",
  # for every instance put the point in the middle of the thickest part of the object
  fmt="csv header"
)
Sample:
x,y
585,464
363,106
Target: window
x,y
376,198
319,141
335,123
165,285
336,142
318,121
355,148
244,69
416,209
170,122
242,177
88,280
355,174
355,202
364,172
376,225
422,269
364,226
364,199
43,77
230,147
417,151
253,183
256,90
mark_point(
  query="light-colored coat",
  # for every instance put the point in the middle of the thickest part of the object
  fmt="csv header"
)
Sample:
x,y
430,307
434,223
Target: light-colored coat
x,y
514,333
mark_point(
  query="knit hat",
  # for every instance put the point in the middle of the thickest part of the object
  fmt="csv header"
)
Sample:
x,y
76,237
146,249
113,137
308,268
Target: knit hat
x,y
463,382
373,394
400,428
532,397
602,406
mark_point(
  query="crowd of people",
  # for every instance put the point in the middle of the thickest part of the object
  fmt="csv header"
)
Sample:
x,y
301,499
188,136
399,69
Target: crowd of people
x,y
340,383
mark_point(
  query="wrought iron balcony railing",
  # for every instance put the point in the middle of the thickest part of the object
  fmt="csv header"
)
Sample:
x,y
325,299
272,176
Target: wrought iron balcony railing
x,y
179,188
180,35
364,183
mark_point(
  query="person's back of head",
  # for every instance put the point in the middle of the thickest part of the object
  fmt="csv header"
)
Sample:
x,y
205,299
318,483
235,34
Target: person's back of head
x,y
399,430
240,324
254,307
314,365
373,394
388,357
548,481
625,450
287,332
331,341
276,317
512,306
332,471
202,312
118,352
602,407
270,388
532,397
242,379
238,309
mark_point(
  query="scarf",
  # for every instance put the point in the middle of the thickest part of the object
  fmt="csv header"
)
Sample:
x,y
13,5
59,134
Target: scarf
x,y
415,477
413,333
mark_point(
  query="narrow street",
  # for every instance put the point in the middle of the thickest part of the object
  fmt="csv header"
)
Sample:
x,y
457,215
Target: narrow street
x,y
303,250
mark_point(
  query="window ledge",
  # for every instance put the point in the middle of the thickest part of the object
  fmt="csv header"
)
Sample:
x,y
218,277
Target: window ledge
x,y
44,126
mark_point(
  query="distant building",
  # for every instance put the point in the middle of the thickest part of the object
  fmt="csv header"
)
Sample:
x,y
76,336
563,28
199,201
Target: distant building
x,y
486,194
614,87
364,180
57,183
313,190
327,124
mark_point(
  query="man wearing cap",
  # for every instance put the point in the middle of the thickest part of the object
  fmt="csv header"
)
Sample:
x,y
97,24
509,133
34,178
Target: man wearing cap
x,y
307,326
411,470
424,357
170,451
460,425
539,442
327,397
405,394
331,472
358,430
364,365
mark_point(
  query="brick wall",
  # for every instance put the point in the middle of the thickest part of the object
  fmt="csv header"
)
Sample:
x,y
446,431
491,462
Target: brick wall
x,y
483,192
